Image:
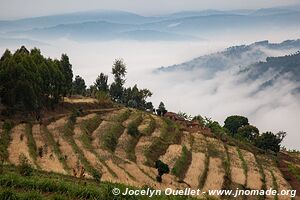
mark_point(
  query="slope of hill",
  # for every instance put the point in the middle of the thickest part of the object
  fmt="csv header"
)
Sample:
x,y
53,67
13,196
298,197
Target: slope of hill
x,y
101,142
243,56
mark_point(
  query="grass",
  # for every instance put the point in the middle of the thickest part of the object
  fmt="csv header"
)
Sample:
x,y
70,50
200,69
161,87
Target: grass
x,y
150,128
203,176
294,170
244,164
227,167
132,129
31,144
114,131
262,176
170,134
182,163
5,140
68,135
90,125
46,185
56,149
87,128
275,184
111,135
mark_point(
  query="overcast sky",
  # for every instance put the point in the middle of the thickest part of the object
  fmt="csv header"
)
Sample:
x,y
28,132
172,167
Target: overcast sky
x,y
11,9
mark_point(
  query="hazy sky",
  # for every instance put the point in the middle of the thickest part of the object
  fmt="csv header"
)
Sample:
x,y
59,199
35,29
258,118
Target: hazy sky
x,y
10,9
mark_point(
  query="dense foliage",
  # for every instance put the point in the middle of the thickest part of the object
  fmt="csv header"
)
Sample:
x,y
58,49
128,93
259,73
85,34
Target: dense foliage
x,y
233,123
29,81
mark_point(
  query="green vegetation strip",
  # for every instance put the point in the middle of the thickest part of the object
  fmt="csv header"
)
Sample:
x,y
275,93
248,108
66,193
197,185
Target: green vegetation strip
x,y
262,176
203,176
55,145
182,163
294,170
5,140
114,131
54,186
244,164
275,184
170,134
31,144
150,128
68,135
88,127
132,129
227,168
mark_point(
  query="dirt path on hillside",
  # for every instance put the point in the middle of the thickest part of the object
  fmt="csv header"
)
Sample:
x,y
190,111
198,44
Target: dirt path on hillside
x,y
215,175
64,146
237,172
18,146
48,161
195,170
253,175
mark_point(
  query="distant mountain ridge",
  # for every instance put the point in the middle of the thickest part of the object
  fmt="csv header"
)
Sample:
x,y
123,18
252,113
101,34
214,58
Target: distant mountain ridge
x,y
242,55
187,25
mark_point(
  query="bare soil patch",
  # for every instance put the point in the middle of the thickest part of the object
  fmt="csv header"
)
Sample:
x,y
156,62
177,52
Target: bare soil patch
x,y
215,175
253,175
18,145
66,149
237,172
195,170
48,161
172,154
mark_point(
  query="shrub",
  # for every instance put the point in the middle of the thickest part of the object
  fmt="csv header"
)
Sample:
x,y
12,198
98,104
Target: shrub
x,y
133,127
248,133
104,99
25,168
268,141
162,169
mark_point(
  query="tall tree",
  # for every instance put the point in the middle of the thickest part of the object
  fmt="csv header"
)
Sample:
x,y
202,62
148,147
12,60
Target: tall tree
x,y
101,83
161,111
66,69
233,123
119,72
79,86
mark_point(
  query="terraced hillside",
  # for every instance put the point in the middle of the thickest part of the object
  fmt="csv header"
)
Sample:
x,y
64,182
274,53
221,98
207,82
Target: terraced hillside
x,y
121,145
